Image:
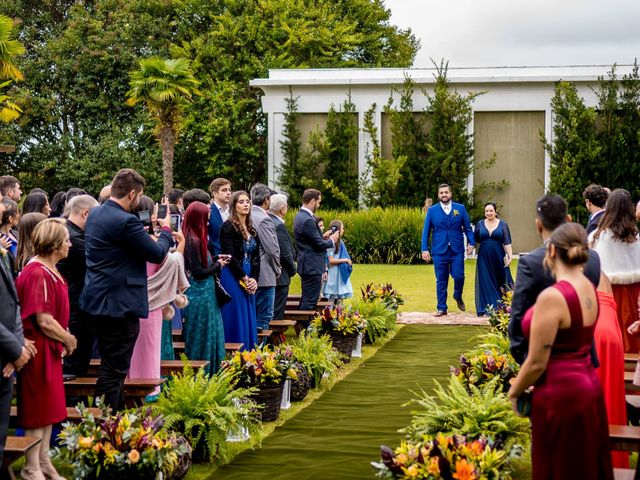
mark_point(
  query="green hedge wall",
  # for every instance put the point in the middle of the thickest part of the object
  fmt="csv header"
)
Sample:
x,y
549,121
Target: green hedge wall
x,y
390,235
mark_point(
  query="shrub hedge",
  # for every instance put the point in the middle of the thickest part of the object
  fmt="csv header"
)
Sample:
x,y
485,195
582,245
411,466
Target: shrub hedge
x,y
391,235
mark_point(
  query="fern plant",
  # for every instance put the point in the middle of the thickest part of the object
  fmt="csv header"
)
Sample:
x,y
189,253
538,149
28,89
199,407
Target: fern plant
x,y
486,411
317,354
380,319
205,409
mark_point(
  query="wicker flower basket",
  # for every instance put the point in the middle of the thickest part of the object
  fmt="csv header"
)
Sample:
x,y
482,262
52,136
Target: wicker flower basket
x,y
269,398
345,344
300,386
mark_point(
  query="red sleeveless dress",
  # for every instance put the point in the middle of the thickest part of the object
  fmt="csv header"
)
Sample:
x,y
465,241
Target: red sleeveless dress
x,y
570,431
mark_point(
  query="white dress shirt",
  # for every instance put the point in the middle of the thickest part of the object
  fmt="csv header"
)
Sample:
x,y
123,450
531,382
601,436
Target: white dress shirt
x,y
224,211
446,207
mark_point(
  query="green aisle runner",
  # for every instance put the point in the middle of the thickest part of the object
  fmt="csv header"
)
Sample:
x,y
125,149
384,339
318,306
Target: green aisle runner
x,y
339,434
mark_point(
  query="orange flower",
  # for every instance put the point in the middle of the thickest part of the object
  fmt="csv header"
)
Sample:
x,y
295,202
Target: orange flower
x,y
464,470
434,467
401,459
134,456
412,471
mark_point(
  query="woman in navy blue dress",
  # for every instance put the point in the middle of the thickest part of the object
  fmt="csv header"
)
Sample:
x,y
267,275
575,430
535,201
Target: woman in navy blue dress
x,y
494,256
238,239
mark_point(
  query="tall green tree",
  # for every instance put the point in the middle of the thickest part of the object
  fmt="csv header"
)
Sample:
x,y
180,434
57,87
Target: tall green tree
x,y
380,180
575,151
409,140
450,145
164,87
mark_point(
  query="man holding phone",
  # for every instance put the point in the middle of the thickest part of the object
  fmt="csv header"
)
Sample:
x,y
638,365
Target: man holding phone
x,y
115,291
312,249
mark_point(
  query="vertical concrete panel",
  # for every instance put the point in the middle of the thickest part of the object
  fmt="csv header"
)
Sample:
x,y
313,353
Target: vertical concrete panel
x,y
515,138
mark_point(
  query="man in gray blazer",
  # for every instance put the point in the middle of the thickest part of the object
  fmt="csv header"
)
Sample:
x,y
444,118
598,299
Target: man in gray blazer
x,y
277,212
269,254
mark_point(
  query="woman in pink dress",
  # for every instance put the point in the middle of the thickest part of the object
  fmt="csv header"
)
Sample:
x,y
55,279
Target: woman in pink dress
x,y
45,314
570,434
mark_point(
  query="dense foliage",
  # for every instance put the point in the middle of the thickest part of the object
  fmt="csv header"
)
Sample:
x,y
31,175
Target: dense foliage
x,y
596,144
76,129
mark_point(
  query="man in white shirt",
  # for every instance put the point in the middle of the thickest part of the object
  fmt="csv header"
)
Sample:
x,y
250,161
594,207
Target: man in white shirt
x,y
221,192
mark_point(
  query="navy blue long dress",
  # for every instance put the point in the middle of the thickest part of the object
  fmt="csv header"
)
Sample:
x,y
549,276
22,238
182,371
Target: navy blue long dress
x,y
491,274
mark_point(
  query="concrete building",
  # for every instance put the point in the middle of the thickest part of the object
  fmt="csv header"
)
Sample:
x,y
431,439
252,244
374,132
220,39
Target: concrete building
x,y
508,119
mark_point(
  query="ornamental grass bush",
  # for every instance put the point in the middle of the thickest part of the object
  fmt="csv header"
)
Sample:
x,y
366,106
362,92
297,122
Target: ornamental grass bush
x,y
391,235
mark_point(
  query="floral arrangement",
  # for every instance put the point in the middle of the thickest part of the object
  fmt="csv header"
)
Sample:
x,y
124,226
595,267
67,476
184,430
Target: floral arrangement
x,y
483,367
444,457
261,366
499,317
344,320
391,298
126,445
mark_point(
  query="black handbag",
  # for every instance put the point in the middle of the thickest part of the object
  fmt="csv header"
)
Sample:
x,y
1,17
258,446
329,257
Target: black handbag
x,y
524,402
222,295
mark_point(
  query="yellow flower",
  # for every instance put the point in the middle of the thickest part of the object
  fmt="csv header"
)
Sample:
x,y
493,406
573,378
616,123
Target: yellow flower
x,y
97,447
434,467
134,456
401,459
157,442
412,471
85,442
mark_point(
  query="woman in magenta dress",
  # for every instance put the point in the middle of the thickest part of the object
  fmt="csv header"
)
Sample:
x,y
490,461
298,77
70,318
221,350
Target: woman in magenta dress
x,y
570,433
44,303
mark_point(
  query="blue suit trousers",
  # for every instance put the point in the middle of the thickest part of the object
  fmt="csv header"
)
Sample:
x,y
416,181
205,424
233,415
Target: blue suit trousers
x,y
446,264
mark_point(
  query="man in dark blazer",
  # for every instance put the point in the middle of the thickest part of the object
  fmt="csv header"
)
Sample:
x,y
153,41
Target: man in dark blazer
x,y
14,354
220,189
312,248
277,211
595,199
74,268
115,292
532,277
445,225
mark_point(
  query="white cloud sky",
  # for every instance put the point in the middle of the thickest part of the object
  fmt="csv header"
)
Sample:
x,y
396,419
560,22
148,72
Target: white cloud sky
x,y
472,33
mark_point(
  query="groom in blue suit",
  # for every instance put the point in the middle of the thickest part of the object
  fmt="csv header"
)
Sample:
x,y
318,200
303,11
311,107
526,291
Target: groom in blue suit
x,y
442,240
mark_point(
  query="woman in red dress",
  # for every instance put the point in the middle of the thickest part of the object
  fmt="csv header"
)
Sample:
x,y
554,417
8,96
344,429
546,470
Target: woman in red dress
x,y
570,433
45,314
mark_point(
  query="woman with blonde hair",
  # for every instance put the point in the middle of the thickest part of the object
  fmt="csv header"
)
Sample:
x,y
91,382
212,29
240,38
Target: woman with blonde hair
x,y
44,301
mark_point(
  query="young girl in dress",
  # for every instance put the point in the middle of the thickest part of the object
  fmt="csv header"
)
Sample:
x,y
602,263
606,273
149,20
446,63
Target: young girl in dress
x,y
338,285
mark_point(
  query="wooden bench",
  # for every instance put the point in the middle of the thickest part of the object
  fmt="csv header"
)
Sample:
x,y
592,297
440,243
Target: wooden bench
x,y
135,389
628,382
301,317
624,438
16,448
279,327
178,347
72,414
293,304
167,367
176,335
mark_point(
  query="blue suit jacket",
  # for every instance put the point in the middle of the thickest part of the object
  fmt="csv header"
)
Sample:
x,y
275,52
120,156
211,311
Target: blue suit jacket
x,y
215,223
311,246
118,249
447,229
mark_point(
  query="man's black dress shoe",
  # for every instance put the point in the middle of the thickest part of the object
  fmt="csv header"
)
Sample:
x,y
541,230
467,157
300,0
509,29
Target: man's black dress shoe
x,y
440,313
461,305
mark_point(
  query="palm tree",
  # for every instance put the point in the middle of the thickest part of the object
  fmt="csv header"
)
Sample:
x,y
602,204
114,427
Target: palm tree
x,y
9,49
9,111
164,86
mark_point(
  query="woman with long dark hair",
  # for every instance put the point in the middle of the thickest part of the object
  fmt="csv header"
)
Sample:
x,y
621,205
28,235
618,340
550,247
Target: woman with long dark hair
x,y
203,327
26,226
617,243
36,202
493,276
239,240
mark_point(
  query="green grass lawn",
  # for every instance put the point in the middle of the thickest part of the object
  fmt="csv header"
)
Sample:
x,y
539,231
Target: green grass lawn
x,y
416,283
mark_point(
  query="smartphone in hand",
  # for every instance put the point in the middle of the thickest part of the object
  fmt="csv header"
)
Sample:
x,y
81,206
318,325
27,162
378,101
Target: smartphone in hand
x,y
162,211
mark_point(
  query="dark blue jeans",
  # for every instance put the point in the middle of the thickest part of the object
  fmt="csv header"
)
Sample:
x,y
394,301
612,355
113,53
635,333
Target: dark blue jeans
x,y
265,298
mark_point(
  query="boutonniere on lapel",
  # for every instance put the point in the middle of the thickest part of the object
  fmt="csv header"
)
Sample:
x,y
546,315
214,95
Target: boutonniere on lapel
x,y
456,213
